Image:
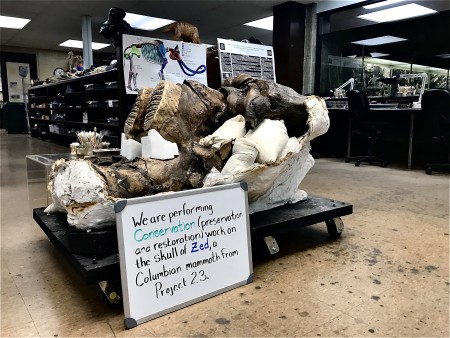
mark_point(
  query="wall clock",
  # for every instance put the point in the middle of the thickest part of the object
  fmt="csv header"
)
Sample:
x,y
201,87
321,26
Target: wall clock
x,y
59,71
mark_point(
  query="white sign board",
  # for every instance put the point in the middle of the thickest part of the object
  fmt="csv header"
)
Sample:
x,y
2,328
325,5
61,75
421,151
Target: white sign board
x,y
15,87
179,248
240,57
146,61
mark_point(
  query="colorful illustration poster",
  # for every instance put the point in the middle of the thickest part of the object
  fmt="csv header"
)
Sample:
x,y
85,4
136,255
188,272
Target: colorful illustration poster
x,y
240,57
148,61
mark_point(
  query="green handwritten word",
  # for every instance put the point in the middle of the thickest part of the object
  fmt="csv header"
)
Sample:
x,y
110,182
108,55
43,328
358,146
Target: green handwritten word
x,y
140,235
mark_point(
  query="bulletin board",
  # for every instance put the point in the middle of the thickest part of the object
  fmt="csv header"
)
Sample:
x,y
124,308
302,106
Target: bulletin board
x,y
14,80
180,248
246,58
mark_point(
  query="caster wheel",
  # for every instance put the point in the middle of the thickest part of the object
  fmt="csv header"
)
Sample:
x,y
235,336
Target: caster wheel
x,y
384,165
357,164
428,171
347,160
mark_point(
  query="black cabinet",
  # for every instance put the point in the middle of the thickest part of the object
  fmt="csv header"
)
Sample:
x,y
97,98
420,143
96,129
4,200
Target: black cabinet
x,y
58,111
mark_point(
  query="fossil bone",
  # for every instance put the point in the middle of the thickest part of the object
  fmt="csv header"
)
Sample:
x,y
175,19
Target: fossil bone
x,y
184,114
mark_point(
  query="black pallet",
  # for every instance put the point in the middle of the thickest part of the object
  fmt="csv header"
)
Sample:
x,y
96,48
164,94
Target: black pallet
x,y
91,269
262,224
290,216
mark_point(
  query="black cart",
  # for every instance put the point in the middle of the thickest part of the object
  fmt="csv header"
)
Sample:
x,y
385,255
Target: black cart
x,y
98,261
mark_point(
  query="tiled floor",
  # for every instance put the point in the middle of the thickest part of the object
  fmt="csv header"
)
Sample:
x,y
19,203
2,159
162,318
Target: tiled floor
x,y
388,275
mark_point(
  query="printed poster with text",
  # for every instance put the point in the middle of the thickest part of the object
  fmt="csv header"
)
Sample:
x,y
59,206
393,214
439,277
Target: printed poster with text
x,y
146,61
240,57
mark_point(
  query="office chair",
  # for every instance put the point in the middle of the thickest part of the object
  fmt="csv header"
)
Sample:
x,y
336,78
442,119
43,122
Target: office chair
x,y
436,104
359,109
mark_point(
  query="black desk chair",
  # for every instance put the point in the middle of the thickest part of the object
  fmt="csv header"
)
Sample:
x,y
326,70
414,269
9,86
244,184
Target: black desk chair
x,y
436,105
363,124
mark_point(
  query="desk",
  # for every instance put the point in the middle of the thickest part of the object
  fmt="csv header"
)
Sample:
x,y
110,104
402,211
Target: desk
x,y
412,112
384,110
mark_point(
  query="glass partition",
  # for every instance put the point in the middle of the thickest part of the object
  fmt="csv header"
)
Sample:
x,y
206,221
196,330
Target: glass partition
x,y
437,77
368,72
349,47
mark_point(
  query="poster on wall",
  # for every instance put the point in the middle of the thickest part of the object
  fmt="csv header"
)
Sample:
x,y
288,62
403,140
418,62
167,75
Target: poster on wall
x,y
148,61
180,248
14,80
240,57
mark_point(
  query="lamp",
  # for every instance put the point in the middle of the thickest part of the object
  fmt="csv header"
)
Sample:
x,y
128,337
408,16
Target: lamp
x,y
424,78
23,72
389,80
339,93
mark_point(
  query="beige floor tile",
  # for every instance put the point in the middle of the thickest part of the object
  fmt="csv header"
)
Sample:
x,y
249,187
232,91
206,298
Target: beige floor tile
x,y
14,313
211,320
118,327
345,326
405,304
19,329
419,324
288,313
68,327
340,295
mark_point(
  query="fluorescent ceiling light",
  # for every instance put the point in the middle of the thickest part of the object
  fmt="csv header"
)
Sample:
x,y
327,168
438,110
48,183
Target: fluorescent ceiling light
x,y
79,44
265,23
147,23
378,55
351,56
12,22
445,56
381,4
381,40
397,13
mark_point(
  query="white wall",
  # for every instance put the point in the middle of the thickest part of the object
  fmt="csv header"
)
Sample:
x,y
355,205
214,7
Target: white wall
x,y
47,60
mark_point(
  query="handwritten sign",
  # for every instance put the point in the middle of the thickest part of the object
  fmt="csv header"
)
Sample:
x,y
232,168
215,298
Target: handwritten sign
x,y
180,248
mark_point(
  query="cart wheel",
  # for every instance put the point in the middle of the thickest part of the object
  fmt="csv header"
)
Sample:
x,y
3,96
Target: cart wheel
x,y
357,163
428,171
335,227
347,160
110,292
272,244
